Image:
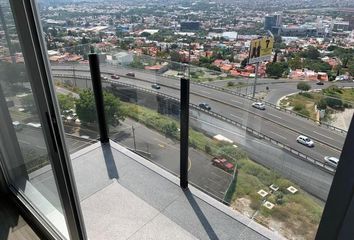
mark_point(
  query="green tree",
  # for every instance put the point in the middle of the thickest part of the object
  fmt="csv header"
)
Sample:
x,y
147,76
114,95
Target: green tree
x,y
276,69
170,129
244,62
28,103
66,102
295,63
175,57
145,34
334,102
322,104
85,108
303,86
311,52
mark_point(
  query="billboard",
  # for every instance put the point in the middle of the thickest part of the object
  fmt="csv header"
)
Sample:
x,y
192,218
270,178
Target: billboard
x,y
261,49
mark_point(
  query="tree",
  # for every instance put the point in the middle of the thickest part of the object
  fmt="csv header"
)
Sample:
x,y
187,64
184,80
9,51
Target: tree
x,y
145,34
170,129
276,69
295,63
303,86
175,57
66,102
244,62
311,53
322,104
335,103
85,107
28,103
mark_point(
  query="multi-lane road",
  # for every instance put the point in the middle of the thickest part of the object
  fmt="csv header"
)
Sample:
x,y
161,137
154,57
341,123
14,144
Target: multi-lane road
x,y
280,126
273,123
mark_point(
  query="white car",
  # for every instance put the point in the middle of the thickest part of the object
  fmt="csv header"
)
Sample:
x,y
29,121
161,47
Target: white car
x,y
305,141
259,105
331,161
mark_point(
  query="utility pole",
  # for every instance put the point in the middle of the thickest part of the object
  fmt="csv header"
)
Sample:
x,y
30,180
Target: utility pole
x,y
255,80
133,129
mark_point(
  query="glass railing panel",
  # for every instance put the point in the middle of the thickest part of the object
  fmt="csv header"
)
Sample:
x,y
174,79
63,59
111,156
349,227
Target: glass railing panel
x,y
73,86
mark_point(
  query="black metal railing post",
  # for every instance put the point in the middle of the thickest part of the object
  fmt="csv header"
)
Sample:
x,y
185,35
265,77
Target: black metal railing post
x,y
97,91
184,122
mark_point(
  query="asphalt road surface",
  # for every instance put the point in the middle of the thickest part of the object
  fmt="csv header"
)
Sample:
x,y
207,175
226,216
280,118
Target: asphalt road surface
x,y
273,123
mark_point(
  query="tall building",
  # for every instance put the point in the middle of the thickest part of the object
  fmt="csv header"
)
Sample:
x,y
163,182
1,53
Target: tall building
x,y
351,23
273,23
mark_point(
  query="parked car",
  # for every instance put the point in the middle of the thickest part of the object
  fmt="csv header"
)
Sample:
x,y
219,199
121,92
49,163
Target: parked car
x,y
223,164
104,78
305,141
115,76
319,83
17,125
130,74
331,161
155,86
259,105
205,106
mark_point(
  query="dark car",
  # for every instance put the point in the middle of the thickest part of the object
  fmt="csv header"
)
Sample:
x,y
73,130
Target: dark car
x,y
223,164
205,106
130,74
319,83
155,86
115,76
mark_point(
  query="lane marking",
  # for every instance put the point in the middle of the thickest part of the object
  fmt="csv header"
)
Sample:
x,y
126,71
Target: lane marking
x,y
278,135
233,115
323,135
274,115
235,100
204,92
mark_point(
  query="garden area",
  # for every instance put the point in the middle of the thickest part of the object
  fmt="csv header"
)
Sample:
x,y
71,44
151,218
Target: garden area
x,y
330,100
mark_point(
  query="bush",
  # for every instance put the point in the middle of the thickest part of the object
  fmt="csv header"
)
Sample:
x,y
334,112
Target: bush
x,y
303,86
299,107
322,104
304,112
207,149
170,129
306,94
230,84
334,103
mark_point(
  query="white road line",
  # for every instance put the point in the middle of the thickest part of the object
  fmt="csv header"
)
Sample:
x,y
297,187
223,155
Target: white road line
x,y
236,101
278,135
204,91
235,116
323,135
274,115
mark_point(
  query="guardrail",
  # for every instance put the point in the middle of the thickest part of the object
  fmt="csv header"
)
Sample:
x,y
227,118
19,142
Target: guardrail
x,y
272,105
311,160
282,109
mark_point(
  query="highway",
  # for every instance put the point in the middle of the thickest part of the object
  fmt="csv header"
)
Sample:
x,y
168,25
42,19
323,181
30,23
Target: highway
x,y
277,88
278,125
311,178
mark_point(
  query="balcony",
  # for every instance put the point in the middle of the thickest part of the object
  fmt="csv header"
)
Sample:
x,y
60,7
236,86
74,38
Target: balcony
x,y
125,196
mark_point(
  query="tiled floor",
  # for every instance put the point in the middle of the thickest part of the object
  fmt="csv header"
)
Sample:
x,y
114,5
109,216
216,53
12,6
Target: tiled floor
x,y
12,225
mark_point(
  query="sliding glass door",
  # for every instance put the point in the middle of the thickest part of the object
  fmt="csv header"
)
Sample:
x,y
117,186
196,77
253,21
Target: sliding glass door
x,y
34,156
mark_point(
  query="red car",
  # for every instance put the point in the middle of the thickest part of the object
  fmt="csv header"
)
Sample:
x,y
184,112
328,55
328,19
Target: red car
x,y
115,76
223,164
